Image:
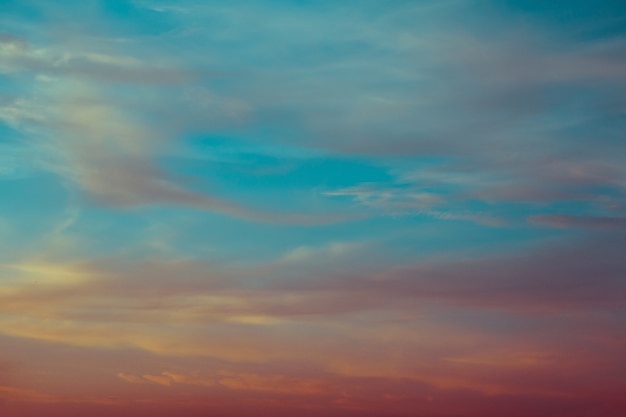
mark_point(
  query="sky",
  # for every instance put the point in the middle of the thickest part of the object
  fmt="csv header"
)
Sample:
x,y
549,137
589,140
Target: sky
x,y
312,207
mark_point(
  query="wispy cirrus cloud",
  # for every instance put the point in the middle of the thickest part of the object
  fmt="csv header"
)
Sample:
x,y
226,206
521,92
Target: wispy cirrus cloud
x,y
427,123
585,222
587,275
108,144
509,107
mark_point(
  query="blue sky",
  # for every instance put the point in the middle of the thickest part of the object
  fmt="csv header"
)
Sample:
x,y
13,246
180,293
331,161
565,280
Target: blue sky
x,y
240,171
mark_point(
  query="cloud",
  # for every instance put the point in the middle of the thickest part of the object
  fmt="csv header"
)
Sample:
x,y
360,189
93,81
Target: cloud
x,y
586,275
501,109
413,198
19,394
463,112
331,253
507,107
190,379
92,143
276,384
133,379
343,340
159,379
237,381
396,200
110,145
167,379
89,138
22,395
19,56
562,221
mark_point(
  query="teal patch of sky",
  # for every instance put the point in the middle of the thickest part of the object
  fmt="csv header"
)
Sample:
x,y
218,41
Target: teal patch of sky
x,y
21,10
10,88
13,84
226,145
15,160
120,232
305,58
592,203
9,136
408,163
220,237
32,207
580,98
135,19
129,18
240,39
18,159
248,171
202,234
602,123
209,235
582,19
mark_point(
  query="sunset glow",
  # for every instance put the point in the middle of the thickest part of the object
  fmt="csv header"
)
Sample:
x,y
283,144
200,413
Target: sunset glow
x,y
312,208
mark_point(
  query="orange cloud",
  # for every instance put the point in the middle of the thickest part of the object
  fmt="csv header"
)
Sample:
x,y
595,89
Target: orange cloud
x,y
273,383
